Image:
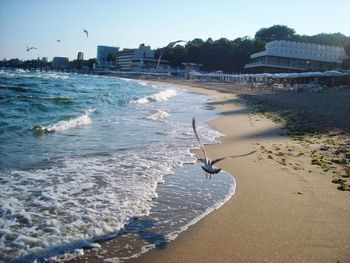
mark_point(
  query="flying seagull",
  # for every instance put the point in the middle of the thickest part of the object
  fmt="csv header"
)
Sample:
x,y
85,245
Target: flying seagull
x,y
86,32
58,40
208,165
30,48
170,45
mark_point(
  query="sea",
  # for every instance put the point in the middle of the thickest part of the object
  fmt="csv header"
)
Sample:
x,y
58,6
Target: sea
x,y
100,163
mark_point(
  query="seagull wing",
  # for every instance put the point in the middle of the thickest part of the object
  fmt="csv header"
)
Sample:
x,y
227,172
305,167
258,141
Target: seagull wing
x,y
201,160
86,32
217,160
160,57
232,156
201,144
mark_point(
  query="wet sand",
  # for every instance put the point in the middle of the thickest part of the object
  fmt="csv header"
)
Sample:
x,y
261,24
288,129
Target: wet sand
x,y
286,207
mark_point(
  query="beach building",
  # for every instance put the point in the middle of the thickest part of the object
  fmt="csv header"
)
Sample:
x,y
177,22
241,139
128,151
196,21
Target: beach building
x,y
290,56
129,59
80,56
103,58
191,66
149,64
60,62
140,59
104,51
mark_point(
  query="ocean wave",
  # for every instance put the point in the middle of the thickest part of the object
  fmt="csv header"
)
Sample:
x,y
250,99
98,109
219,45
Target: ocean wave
x,y
19,88
19,73
52,76
18,70
82,197
58,99
160,96
158,115
65,125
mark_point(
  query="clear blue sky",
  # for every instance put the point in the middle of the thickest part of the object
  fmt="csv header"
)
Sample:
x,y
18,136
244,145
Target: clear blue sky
x,y
127,23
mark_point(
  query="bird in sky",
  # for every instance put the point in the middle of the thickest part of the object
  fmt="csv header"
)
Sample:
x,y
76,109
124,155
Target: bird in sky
x,y
86,32
30,48
171,45
58,40
208,165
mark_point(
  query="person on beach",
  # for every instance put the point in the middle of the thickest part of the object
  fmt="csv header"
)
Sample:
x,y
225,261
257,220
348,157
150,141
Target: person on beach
x,y
284,83
270,83
252,84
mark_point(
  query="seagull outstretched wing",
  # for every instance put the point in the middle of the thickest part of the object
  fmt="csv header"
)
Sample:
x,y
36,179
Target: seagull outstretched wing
x,y
30,48
199,140
232,156
86,32
170,45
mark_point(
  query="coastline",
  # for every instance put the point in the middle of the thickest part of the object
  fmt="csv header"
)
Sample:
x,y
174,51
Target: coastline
x,y
283,209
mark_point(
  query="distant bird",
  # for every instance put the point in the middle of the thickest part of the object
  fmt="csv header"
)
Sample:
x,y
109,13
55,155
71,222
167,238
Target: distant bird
x,y
86,32
30,48
208,165
58,40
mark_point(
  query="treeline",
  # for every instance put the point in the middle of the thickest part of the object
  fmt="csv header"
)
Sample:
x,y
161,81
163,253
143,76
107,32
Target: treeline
x,y
231,55
37,63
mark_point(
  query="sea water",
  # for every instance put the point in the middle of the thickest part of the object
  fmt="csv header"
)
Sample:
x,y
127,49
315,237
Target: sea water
x,y
87,159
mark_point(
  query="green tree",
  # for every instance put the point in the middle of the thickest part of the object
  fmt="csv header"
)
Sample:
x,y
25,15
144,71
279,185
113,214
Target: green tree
x,y
175,55
276,32
332,39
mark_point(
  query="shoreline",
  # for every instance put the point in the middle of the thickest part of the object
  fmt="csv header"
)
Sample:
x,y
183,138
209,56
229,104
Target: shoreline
x,y
283,209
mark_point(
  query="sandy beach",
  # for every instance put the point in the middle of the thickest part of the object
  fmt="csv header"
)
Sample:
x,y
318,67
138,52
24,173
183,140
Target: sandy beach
x,y
286,207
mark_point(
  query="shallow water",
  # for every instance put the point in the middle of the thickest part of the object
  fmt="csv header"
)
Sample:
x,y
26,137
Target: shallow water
x,y
82,156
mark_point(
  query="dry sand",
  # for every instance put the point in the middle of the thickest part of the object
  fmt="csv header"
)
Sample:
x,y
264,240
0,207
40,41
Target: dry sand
x,y
285,209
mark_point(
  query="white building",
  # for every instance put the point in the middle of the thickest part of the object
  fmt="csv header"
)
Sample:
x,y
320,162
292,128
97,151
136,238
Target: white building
x,y
128,58
285,56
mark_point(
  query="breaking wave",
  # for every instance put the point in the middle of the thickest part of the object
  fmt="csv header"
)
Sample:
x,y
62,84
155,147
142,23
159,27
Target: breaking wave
x,y
158,115
65,125
160,96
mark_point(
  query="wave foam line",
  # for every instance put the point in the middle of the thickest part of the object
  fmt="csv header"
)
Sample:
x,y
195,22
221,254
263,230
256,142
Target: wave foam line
x,y
158,115
66,125
160,96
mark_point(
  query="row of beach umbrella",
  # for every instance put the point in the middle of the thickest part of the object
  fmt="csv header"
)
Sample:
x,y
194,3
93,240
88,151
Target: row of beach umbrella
x,y
330,73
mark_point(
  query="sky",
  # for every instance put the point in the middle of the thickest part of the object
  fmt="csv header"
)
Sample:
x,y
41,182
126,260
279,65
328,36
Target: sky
x,y
128,23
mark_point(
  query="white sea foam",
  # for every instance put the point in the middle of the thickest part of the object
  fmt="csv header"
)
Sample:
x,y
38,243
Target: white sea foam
x,y
52,76
67,124
160,96
84,197
18,70
143,83
158,115
20,73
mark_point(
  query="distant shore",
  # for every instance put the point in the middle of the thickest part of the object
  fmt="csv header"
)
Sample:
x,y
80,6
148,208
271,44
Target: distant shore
x,y
291,202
